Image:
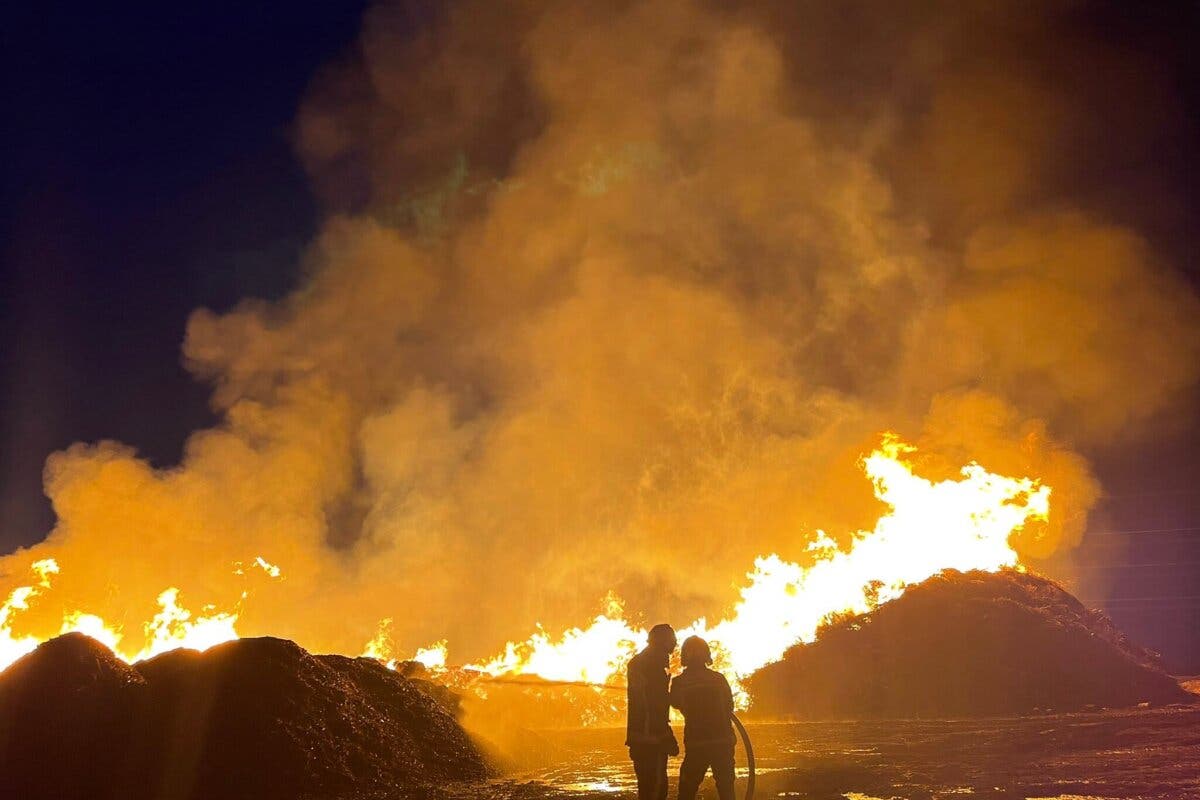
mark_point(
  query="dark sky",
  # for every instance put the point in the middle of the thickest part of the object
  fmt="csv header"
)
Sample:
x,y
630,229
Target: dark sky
x,y
148,171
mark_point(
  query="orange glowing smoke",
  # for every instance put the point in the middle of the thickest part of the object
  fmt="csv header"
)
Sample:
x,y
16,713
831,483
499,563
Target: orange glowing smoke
x,y
949,524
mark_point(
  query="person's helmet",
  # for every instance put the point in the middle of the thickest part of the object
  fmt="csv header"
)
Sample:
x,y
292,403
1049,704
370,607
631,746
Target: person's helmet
x,y
662,635
695,652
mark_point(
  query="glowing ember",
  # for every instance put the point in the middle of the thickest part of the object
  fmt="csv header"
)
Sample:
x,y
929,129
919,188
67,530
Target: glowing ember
x,y
266,567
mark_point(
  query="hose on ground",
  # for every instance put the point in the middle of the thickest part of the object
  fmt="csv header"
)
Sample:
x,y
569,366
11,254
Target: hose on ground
x,y
737,723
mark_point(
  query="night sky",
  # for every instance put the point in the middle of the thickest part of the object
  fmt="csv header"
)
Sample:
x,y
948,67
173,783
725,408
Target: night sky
x,y
149,171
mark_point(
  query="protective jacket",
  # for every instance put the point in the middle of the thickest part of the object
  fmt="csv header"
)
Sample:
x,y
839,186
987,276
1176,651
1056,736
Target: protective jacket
x,y
648,725
706,701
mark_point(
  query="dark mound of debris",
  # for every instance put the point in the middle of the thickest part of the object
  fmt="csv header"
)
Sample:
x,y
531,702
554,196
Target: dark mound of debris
x,y
965,644
65,711
255,718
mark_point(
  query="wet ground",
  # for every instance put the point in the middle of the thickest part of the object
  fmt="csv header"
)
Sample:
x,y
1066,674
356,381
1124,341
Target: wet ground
x,y
1147,753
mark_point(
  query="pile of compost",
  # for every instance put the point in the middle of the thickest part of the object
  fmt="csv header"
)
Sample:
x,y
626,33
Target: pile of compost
x,y
255,718
965,644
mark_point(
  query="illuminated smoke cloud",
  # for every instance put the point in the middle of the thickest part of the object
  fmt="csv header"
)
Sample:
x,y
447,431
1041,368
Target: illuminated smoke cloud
x,y
612,296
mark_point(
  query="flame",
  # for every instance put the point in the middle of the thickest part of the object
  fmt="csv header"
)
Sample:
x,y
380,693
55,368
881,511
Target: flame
x,y
433,657
963,524
13,647
172,628
589,655
932,526
93,626
382,649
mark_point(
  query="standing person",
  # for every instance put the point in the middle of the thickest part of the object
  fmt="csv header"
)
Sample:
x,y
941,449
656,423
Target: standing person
x,y
648,731
706,701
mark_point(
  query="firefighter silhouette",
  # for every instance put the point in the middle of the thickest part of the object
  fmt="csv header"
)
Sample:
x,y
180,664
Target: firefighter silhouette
x,y
706,702
648,731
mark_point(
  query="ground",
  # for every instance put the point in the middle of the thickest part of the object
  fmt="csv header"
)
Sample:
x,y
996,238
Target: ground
x,y
1150,754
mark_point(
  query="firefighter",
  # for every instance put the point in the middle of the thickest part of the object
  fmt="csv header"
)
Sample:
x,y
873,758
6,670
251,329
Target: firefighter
x,y
648,730
706,701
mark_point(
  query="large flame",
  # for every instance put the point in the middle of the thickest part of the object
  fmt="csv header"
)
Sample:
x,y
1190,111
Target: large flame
x,y
173,627
13,647
932,526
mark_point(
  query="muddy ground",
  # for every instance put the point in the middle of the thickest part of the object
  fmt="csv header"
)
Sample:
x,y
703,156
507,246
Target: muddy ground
x,y
1144,753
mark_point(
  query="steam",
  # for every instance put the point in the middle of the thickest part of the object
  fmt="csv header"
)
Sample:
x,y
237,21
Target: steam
x,y
612,296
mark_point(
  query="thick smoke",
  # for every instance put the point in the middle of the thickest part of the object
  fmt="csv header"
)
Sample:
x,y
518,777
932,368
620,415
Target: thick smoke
x,y
613,295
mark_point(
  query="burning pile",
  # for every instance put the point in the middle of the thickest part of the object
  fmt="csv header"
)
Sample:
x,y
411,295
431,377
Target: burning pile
x,y
173,627
962,523
257,718
969,625
965,644
981,638
598,280
931,525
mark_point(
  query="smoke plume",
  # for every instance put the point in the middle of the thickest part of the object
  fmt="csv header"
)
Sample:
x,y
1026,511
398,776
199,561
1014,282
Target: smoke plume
x,y
613,295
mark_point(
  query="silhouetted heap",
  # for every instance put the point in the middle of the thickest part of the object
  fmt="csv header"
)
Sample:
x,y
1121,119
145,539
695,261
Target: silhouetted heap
x,y
965,644
256,718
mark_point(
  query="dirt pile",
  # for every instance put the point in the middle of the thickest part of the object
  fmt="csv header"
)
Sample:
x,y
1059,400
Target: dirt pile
x,y
256,718
965,644
65,712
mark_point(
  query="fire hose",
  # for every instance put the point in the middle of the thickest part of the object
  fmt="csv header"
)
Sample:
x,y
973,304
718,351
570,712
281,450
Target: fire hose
x,y
737,723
